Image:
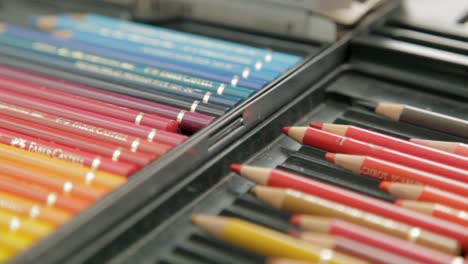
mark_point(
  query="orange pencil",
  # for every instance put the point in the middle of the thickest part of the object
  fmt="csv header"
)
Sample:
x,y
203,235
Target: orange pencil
x,y
437,210
33,209
423,193
41,194
76,172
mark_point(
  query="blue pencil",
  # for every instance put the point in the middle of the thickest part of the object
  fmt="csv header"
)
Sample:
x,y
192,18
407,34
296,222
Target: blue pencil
x,y
132,39
226,46
181,68
113,72
170,55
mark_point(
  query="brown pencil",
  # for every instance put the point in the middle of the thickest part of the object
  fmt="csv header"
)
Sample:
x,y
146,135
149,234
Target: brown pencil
x,y
437,210
301,203
452,147
421,117
354,248
423,193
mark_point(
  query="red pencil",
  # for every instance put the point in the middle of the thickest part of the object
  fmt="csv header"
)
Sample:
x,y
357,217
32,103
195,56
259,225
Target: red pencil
x,y
114,152
436,210
189,121
135,144
425,194
84,103
282,179
148,133
388,171
338,144
57,151
452,147
40,194
379,240
394,143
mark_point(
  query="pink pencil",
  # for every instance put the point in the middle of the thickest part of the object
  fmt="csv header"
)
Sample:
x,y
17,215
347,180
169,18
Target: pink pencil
x,y
150,134
84,103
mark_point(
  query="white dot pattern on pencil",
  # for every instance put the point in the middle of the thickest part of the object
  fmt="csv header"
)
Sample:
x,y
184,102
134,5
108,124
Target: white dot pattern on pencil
x,y
235,80
135,145
194,106
89,177
51,199
116,154
35,211
180,116
67,187
414,234
325,256
206,98
221,88
246,73
139,117
96,163
152,134
15,224
258,65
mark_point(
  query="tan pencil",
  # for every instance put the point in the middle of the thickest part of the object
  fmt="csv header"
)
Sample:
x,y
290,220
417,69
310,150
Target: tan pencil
x,y
301,203
421,117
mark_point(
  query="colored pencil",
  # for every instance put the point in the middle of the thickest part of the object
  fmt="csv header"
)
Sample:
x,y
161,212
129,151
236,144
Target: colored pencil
x,y
95,106
287,261
135,39
395,144
300,203
87,117
61,152
77,173
339,144
38,193
265,241
388,171
5,255
354,248
14,34
425,194
35,228
437,210
134,144
189,121
166,54
379,240
59,183
452,147
33,209
47,22
97,75
421,117
282,179
14,242
104,149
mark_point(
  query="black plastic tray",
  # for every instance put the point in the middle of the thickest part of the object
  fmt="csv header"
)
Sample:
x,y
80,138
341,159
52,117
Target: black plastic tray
x,y
332,99
98,226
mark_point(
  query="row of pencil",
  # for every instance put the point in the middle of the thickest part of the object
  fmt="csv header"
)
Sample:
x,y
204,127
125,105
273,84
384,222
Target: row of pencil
x,y
427,223
65,143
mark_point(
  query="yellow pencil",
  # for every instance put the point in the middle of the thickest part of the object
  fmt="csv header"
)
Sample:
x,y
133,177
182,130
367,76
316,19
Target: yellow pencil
x,y
14,242
268,242
34,228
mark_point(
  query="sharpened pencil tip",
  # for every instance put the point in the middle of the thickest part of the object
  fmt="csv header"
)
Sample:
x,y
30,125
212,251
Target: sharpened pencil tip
x,y
236,168
318,125
286,130
295,220
385,186
330,157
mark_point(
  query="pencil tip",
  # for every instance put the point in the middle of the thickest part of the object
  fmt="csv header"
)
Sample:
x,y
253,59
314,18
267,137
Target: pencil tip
x,y
399,202
236,168
317,125
295,220
330,157
286,130
385,186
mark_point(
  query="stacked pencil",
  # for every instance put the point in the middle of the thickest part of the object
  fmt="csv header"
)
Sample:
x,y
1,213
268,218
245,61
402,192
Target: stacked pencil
x,y
67,140
427,223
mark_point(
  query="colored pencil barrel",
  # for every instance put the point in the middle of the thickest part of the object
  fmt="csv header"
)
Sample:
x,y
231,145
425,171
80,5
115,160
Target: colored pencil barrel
x,y
187,120
77,173
301,203
385,242
115,152
395,144
60,152
42,195
339,144
265,241
287,261
421,117
282,179
147,133
354,248
134,144
452,147
388,171
14,242
437,210
425,194
33,209
34,228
